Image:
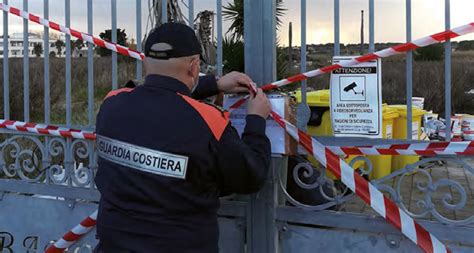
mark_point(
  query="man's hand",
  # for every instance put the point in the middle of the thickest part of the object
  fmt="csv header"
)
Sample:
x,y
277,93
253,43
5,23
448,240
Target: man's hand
x,y
259,105
235,82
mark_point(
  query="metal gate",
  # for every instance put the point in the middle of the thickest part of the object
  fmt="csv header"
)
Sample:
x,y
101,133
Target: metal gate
x,y
46,182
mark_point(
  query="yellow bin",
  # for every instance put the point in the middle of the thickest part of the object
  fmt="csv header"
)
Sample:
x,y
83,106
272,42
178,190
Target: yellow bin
x,y
382,164
320,120
400,132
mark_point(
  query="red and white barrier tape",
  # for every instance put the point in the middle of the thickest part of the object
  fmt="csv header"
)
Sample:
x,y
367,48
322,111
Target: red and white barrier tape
x,y
74,234
398,49
365,190
46,129
424,149
80,35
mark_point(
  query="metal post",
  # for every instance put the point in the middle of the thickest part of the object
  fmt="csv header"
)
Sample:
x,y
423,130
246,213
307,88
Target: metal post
x,y
114,40
337,47
371,26
6,75
26,67
139,38
303,50
260,64
164,11
47,101
90,65
260,38
90,81
191,13
68,65
447,70
409,72
290,50
47,94
67,157
361,32
219,37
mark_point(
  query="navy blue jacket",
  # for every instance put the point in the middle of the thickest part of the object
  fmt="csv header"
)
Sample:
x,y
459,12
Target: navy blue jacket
x,y
145,212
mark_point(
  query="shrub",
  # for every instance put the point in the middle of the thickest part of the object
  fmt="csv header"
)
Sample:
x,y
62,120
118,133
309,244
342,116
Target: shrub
x,y
434,52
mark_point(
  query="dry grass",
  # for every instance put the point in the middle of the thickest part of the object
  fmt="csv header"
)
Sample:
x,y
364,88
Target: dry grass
x,y
428,82
102,85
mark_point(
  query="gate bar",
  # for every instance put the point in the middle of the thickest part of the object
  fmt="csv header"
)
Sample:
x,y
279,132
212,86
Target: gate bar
x,y
47,94
26,67
164,11
68,65
447,70
114,40
371,26
191,13
260,65
409,72
139,70
90,82
90,65
303,50
6,72
219,37
337,47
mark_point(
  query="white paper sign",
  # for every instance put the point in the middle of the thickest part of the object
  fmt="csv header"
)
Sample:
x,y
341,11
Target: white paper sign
x,y
356,99
389,132
274,132
414,131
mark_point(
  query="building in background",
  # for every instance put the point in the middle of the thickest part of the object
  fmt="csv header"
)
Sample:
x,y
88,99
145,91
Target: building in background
x,y
15,45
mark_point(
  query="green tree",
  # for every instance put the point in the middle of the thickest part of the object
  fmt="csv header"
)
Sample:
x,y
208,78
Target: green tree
x,y
282,62
465,45
233,46
234,12
38,49
107,35
72,44
59,44
430,53
233,51
79,44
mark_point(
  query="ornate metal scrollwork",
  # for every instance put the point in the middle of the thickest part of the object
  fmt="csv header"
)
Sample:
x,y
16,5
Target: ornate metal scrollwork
x,y
20,163
83,175
435,194
50,160
57,173
428,188
313,189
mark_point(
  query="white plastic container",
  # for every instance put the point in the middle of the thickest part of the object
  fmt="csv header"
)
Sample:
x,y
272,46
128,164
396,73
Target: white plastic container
x,y
468,127
418,102
456,125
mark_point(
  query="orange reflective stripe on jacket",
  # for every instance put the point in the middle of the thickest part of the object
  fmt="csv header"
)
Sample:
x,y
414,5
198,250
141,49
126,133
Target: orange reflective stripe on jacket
x,y
215,119
118,91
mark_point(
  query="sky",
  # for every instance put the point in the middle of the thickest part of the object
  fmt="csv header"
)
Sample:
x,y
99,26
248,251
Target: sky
x,y
427,18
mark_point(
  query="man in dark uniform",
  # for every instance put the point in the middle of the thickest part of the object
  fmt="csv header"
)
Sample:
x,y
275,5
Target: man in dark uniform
x,y
165,158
